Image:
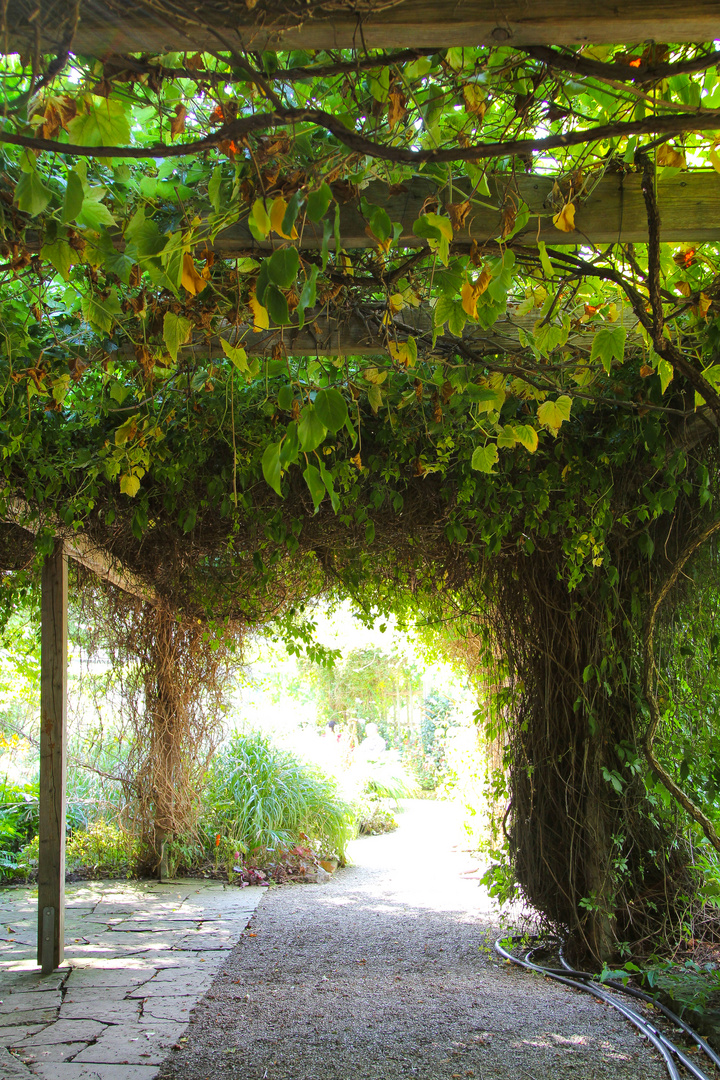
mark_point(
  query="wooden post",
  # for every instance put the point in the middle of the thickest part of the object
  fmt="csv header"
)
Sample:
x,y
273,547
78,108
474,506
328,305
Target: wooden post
x,y
53,759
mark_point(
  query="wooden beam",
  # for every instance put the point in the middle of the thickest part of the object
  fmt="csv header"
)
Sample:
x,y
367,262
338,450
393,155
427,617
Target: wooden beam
x,y
81,549
325,335
53,760
116,26
611,211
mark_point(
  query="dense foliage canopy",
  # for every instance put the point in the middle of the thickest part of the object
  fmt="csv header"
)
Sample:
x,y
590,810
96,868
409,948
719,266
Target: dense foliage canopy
x,y
400,319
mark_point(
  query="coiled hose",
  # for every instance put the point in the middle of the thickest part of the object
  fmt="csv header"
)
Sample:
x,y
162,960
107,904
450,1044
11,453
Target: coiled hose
x,y
588,983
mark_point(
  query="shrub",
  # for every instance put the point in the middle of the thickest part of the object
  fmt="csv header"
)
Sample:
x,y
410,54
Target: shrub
x,y
103,847
260,798
374,816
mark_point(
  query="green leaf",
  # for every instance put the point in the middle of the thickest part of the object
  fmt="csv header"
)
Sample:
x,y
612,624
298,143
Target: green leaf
x,y
484,458
214,188
286,396
176,331
188,518
527,436
31,195
314,481
102,124
331,409
94,213
308,294
417,68
379,84
545,259
327,479
58,251
609,344
457,319
113,261
486,399
311,430
101,312
74,196
235,354
290,445
291,214
318,202
277,306
553,413
378,220
375,397
283,266
437,230
271,468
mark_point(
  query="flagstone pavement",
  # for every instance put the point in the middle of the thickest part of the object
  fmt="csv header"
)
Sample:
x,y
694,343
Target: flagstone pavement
x,y
138,957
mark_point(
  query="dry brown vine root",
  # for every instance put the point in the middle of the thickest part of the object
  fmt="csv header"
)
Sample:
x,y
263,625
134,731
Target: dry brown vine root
x,y
172,674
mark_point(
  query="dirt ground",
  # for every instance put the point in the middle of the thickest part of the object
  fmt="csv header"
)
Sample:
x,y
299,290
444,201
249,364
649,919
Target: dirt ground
x,y
387,972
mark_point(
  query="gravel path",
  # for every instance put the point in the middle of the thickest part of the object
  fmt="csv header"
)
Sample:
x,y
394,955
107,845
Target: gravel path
x,y
386,973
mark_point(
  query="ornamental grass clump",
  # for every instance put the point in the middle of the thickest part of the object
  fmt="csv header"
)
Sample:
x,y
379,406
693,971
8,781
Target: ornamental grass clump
x,y
267,800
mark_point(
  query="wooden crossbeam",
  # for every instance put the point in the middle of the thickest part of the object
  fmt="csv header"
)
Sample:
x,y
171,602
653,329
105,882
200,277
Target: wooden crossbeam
x,y
81,549
323,335
115,26
612,210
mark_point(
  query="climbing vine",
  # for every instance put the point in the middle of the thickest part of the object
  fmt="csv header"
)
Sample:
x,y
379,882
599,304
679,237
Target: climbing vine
x,y
277,322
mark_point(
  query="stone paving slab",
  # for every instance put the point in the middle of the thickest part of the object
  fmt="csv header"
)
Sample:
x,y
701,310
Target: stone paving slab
x,y
138,957
39,999
11,1068
75,1071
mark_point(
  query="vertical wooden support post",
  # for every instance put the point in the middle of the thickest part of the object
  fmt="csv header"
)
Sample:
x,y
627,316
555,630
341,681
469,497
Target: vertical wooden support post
x,y
53,759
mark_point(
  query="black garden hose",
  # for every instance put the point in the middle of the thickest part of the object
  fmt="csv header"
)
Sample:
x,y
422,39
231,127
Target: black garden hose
x,y
586,982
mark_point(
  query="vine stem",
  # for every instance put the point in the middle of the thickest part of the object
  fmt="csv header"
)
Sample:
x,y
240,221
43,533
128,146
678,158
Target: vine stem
x,y
649,671
239,129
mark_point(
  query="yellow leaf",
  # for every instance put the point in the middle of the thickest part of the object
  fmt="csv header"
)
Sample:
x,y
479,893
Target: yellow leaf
x,y
191,280
469,300
564,220
527,436
611,313
714,159
277,213
475,102
261,320
129,485
260,217
553,413
472,290
395,303
704,303
668,155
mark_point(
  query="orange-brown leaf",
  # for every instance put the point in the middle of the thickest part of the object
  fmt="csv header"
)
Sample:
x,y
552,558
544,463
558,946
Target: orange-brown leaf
x,y
177,124
458,213
396,108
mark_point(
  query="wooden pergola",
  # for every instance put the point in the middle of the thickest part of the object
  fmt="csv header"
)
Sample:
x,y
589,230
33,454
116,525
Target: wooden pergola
x,y
610,211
